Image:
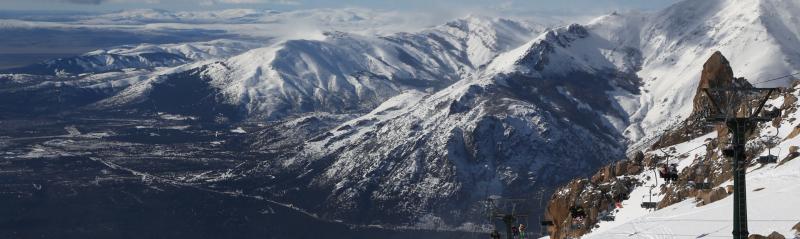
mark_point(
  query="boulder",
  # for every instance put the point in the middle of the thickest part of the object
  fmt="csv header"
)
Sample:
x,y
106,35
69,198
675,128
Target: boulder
x,y
621,168
793,153
773,235
605,174
633,169
710,196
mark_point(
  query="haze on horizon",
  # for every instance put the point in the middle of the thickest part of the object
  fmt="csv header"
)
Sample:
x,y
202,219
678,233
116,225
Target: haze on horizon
x,y
564,7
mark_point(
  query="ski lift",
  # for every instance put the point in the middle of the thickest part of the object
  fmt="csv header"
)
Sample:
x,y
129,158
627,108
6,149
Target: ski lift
x,y
771,142
606,216
768,159
774,113
650,204
668,172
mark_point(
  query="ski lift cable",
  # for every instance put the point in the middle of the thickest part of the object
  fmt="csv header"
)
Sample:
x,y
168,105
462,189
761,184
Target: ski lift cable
x,y
714,220
664,234
777,78
687,151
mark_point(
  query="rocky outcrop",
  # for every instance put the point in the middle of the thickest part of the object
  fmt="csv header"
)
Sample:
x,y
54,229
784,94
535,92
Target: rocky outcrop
x,y
793,153
705,197
594,195
773,235
717,72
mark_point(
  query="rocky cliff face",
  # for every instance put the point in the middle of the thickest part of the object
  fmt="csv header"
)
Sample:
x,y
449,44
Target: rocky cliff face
x,y
596,195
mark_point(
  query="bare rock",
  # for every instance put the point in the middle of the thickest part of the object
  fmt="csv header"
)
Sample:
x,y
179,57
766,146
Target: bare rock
x,y
773,235
793,153
621,168
633,169
716,72
605,174
776,235
710,196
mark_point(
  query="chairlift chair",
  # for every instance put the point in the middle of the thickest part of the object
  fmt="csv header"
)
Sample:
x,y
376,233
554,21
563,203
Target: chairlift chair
x,y
768,159
649,205
770,143
774,113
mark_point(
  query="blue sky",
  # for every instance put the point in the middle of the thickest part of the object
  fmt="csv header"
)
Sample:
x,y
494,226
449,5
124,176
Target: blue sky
x,y
559,7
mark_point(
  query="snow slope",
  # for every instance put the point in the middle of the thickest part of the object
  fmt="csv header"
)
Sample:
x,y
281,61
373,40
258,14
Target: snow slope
x,y
773,191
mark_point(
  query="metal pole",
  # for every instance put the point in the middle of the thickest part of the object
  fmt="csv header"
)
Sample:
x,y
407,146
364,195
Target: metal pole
x,y
509,220
739,126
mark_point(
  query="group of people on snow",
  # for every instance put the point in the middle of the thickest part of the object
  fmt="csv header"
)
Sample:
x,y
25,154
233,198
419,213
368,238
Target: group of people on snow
x,y
516,233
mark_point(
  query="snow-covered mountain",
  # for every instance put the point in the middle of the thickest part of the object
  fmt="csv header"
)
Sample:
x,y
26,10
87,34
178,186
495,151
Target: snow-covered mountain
x,y
392,128
508,133
760,38
136,57
620,80
350,72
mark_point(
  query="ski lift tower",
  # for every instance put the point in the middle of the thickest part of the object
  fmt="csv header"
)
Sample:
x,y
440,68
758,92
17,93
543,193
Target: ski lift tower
x,y
740,109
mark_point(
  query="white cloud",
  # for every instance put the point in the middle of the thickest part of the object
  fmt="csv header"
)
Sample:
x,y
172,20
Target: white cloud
x,y
284,2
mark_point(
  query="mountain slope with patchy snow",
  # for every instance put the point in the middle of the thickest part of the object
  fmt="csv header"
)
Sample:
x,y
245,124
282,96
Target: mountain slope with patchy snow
x,y
771,198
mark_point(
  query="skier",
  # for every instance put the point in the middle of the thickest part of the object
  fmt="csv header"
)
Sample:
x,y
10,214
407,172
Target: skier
x,y
618,200
494,235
